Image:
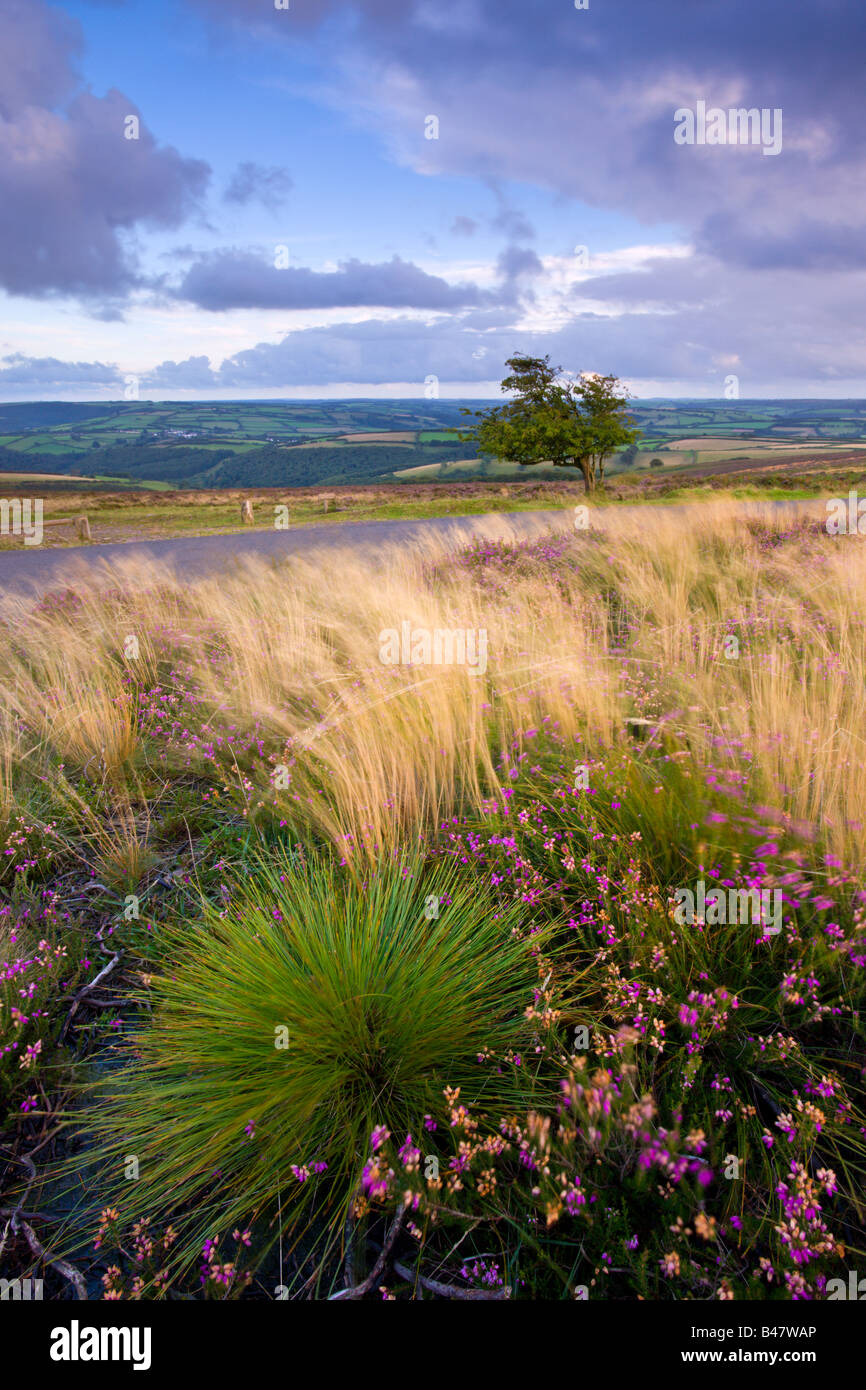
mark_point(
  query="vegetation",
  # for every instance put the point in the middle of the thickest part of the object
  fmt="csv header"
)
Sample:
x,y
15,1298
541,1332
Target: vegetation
x,y
552,420
245,820
317,1007
289,443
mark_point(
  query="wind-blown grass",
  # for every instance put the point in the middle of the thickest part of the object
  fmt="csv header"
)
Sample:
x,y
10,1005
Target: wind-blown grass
x,y
258,714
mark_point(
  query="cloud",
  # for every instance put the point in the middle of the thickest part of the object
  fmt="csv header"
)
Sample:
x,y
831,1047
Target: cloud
x,y
515,224
515,261
71,183
192,374
372,351
255,183
41,372
463,226
583,103
805,242
241,280
678,320
579,103
686,318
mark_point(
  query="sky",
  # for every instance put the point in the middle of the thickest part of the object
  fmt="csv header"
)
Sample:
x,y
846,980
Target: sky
x,y
327,198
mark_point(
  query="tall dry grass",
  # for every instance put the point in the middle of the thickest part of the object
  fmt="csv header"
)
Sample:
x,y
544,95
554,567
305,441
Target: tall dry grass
x,y
376,752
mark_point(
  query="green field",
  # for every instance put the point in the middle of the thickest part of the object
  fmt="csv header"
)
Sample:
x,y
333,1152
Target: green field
x,y
287,443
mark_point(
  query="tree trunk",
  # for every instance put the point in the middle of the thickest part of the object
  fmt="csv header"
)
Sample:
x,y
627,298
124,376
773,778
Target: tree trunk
x,y
585,466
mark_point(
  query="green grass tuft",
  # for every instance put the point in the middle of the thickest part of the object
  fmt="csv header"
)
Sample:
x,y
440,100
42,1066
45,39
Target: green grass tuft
x,y
313,1008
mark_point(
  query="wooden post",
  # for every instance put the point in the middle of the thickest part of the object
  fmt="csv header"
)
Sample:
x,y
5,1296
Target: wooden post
x,y
639,728
247,512
81,524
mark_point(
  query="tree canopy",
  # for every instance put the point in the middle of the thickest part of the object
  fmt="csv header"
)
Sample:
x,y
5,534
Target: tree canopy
x,y
553,419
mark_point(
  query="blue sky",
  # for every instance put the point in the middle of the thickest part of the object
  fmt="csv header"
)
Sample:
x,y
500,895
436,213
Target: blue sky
x,y
554,212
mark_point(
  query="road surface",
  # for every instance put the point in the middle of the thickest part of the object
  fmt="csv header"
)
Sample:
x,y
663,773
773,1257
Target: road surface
x,y
33,570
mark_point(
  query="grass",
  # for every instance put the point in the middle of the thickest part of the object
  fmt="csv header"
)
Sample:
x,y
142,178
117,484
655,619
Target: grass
x,y
317,1008
115,518
137,514
162,788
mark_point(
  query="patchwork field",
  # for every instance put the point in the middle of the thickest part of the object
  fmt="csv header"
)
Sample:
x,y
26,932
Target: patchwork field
x,y
350,443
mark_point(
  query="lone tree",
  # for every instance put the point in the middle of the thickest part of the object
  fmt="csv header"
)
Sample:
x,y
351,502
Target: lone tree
x,y
553,420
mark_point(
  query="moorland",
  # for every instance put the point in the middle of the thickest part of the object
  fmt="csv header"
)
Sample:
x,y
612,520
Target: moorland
x,y
325,976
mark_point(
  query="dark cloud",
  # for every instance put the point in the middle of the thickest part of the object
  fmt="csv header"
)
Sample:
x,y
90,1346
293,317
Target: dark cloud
x,y
38,51
41,372
806,242
677,321
583,102
373,351
251,182
241,280
192,374
515,261
71,183
514,223
692,318
463,226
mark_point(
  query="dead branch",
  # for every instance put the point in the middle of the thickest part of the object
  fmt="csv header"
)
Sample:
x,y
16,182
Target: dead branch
x,y
88,989
63,1267
359,1290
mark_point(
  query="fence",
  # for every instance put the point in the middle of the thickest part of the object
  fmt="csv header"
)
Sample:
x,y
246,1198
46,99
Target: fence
x,y
80,521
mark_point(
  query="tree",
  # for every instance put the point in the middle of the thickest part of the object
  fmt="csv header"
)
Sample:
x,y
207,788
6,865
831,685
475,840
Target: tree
x,y
553,420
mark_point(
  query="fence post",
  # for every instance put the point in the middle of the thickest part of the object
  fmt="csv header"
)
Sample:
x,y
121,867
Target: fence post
x,y
83,528
247,512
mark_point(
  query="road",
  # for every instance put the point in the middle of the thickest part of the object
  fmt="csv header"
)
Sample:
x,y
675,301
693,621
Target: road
x,y
33,570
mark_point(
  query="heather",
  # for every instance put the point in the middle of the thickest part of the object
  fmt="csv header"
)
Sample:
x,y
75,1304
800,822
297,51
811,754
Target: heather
x,y
509,1069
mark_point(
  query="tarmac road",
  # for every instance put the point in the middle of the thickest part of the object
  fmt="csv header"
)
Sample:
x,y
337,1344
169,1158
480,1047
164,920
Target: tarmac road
x,y
34,569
